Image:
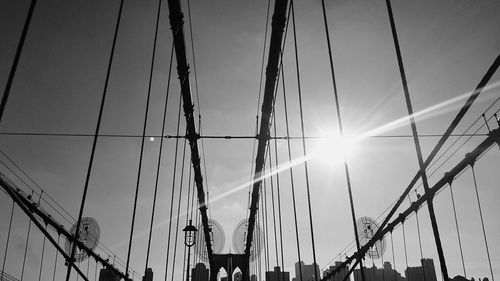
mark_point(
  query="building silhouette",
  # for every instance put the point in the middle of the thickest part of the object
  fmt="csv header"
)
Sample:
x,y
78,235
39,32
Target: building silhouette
x,y
426,272
253,277
148,276
379,274
338,276
308,271
277,275
200,272
108,275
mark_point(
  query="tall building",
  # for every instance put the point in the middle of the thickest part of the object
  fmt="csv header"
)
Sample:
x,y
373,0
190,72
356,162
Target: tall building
x,y
277,275
308,272
108,275
426,272
339,276
378,274
199,273
148,276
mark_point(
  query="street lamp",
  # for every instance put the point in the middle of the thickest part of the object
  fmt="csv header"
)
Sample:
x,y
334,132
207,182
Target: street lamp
x,y
189,240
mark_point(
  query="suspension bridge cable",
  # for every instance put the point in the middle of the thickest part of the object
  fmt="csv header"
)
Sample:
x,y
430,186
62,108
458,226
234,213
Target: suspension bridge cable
x,y
465,131
420,244
12,171
341,129
432,173
158,163
264,221
457,149
406,252
482,221
474,94
258,103
55,260
393,258
46,195
292,185
41,259
173,186
262,239
278,194
144,127
187,220
436,192
226,137
179,206
458,230
316,274
273,208
94,142
418,233
266,217
26,250
17,56
192,199
416,141
95,271
8,240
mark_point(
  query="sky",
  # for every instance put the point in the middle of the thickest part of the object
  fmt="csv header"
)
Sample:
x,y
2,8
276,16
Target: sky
x,y
447,47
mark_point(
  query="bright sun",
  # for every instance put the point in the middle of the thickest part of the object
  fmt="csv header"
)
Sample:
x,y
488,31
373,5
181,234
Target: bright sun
x,y
333,149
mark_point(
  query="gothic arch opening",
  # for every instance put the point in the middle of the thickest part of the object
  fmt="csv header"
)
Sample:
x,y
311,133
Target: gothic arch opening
x,y
222,274
237,275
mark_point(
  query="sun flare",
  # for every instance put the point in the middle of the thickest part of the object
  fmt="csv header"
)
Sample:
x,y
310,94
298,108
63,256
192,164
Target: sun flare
x,y
333,148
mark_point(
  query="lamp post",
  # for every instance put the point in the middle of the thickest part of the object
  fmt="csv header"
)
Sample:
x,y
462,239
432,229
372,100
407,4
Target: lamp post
x,y
189,240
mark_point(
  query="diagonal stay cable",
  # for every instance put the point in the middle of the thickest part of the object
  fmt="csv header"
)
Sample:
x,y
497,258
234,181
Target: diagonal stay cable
x,y
158,164
173,189
316,274
17,56
472,97
144,127
94,143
